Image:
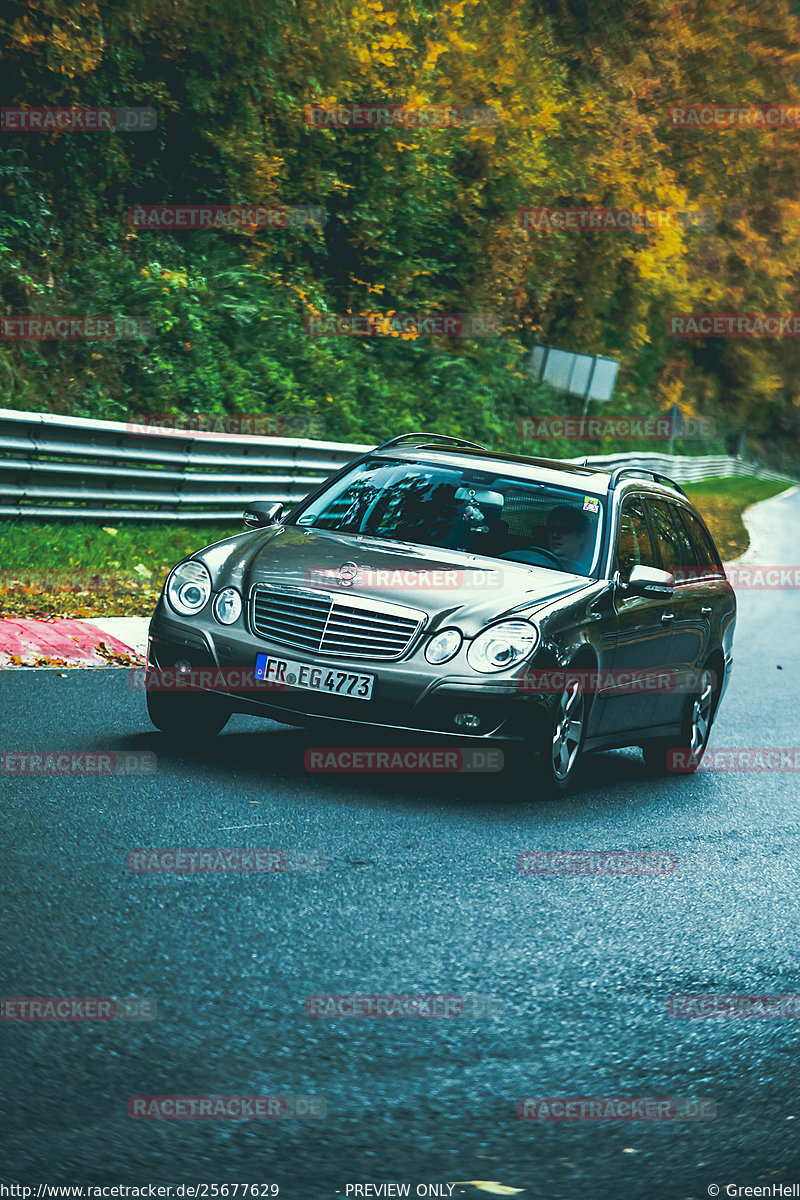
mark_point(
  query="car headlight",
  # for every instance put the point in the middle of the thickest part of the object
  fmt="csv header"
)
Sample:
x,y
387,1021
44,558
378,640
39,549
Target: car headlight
x,y
502,646
188,588
443,646
228,606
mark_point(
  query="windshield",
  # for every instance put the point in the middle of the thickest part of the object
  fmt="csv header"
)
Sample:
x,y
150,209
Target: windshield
x,y
463,509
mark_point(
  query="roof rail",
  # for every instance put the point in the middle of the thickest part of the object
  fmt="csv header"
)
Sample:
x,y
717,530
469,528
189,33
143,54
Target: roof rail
x,y
618,473
427,437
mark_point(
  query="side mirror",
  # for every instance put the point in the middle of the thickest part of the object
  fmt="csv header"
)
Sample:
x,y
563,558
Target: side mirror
x,y
260,513
649,581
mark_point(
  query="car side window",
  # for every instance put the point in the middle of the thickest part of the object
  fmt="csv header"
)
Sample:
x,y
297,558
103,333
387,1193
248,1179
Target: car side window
x,y
674,544
708,560
634,544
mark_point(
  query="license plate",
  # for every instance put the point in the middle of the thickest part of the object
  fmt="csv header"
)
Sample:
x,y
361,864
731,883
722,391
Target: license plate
x,y
286,672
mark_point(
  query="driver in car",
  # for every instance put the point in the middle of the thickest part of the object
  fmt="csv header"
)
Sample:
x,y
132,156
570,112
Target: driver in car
x,y
569,537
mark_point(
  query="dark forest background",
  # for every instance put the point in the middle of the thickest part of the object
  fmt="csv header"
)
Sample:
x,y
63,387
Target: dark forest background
x,y
419,220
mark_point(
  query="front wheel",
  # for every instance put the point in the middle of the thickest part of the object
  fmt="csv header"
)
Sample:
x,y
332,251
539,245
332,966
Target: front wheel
x,y
188,716
551,762
683,755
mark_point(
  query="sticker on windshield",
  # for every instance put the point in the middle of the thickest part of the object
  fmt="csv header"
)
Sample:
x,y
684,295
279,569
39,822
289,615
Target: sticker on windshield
x,y
305,520
591,504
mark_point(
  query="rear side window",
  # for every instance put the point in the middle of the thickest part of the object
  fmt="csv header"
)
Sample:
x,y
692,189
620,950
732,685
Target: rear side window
x,y
674,544
708,560
634,544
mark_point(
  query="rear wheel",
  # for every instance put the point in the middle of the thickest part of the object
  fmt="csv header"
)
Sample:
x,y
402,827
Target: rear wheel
x,y
188,716
683,755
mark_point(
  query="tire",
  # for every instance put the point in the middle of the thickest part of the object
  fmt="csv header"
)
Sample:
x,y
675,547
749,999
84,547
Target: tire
x,y
683,754
550,762
188,716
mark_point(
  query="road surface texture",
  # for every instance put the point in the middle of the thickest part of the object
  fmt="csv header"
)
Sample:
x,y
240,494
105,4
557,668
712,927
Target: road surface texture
x,y
420,894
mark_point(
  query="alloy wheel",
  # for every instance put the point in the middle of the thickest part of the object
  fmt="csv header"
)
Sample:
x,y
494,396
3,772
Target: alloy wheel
x,y
567,730
700,719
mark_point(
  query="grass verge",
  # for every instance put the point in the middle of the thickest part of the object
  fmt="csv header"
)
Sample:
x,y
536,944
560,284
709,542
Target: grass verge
x,y
84,569
721,503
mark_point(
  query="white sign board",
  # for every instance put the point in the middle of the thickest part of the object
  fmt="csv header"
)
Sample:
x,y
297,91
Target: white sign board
x,y
589,375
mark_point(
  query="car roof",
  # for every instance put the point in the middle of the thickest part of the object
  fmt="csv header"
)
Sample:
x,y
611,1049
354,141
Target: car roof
x,y
592,480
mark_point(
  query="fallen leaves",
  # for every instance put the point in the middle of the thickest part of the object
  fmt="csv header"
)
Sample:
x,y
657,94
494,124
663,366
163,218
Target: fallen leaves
x,y
39,660
489,1185
118,660
136,600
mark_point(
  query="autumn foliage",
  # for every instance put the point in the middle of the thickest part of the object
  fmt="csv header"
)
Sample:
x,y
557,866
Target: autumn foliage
x,y
420,218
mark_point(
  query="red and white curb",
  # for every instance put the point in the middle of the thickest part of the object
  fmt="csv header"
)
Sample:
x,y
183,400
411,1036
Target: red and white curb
x,y
72,643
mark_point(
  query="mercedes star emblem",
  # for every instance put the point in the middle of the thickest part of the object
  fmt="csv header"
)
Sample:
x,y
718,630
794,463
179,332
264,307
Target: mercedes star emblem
x,y
347,574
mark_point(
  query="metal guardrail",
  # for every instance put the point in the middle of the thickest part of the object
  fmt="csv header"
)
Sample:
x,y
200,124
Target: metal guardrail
x,y
686,468
72,467
52,466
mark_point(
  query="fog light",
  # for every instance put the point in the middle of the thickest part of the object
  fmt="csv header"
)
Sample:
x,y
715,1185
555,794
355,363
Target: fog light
x,y
183,667
466,720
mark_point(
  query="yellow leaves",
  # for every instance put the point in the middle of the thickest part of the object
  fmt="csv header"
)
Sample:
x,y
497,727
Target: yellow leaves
x,y
371,287
547,114
639,334
434,51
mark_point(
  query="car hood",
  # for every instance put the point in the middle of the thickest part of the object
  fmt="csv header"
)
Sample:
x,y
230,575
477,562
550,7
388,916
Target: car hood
x,y
447,585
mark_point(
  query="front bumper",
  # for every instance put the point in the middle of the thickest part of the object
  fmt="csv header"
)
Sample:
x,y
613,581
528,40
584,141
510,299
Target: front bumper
x,y
408,694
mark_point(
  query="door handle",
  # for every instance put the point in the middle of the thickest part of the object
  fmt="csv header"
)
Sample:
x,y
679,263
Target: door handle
x,y
667,617
706,610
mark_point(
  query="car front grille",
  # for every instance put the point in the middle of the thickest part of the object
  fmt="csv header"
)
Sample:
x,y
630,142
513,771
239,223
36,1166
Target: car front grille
x,y
321,623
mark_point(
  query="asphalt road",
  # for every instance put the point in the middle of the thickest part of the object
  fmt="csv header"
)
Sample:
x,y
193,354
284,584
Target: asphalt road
x,y
420,894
